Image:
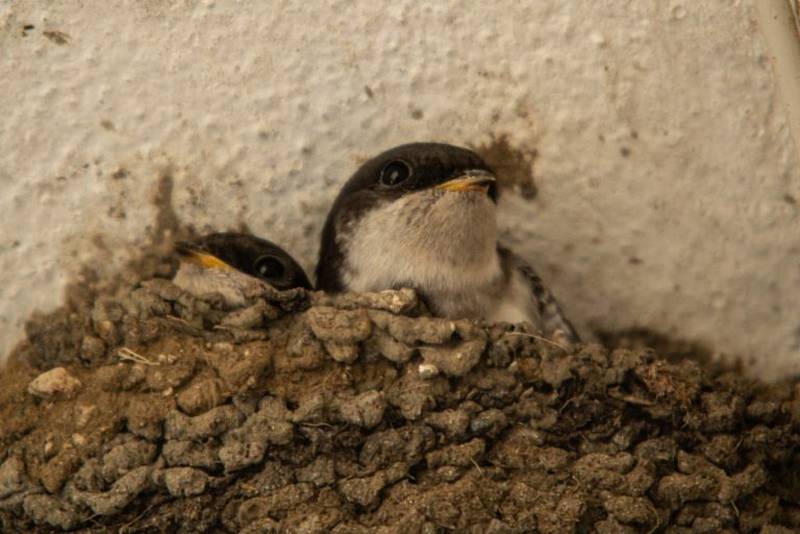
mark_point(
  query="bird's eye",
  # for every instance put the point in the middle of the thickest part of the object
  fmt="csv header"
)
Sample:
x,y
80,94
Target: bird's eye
x,y
395,173
269,268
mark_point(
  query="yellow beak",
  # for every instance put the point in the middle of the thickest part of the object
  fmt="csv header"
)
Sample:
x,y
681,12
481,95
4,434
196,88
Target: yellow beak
x,y
203,259
470,181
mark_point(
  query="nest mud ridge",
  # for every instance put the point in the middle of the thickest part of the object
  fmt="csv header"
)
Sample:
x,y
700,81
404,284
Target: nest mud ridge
x,y
146,409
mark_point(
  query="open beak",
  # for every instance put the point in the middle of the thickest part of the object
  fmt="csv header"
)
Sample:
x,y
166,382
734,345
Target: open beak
x,y
470,181
188,253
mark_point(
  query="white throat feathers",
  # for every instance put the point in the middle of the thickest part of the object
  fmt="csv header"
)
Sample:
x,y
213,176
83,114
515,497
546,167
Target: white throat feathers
x,y
443,244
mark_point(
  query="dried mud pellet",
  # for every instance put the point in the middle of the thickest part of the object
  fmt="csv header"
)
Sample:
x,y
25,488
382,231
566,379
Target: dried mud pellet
x,y
311,407
639,479
247,445
723,412
136,374
362,491
592,470
89,476
387,447
519,448
503,351
396,301
238,455
55,472
92,348
190,454
242,370
320,472
47,510
164,289
123,491
365,410
489,422
246,318
12,471
145,414
212,423
742,484
777,529
553,459
201,396
172,372
412,331
277,501
463,455
676,489
339,326
274,407
128,455
185,481
265,525
449,473
612,526
454,361
342,352
453,423
630,510
658,450
111,377
413,395
721,449
385,345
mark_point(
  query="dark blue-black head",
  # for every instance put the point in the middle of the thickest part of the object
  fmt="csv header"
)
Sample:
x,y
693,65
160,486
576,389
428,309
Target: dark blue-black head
x,y
251,255
422,169
418,166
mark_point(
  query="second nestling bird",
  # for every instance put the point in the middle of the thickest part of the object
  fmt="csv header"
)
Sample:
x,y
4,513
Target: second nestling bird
x,y
423,216
228,263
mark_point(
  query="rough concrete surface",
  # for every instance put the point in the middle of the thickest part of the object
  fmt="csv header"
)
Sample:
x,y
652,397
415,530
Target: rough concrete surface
x,y
179,421
667,186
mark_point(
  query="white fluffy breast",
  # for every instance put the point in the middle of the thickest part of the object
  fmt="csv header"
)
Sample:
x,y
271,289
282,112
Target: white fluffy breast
x,y
443,244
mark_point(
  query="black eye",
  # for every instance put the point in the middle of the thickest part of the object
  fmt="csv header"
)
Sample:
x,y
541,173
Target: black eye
x,y
395,173
269,268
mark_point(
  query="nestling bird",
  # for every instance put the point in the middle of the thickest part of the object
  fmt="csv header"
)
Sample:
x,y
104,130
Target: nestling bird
x,y
228,263
423,216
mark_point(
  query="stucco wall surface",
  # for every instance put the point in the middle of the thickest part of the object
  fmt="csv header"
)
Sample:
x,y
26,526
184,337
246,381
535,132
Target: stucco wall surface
x,y
668,181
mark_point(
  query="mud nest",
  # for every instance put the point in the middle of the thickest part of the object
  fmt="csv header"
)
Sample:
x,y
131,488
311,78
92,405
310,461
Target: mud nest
x,y
145,409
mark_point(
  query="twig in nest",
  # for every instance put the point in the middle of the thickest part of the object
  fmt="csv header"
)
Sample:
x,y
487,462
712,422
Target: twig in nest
x,y
317,425
124,528
125,353
658,518
471,459
540,338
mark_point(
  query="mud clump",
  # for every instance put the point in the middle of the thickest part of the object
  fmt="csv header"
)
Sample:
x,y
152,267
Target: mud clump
x,y
161,412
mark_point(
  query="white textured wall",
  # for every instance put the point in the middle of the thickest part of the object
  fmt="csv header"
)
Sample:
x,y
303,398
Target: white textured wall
x,y
669,184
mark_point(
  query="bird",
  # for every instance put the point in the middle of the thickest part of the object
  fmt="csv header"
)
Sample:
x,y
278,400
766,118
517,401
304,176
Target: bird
x,y
423,216
228,263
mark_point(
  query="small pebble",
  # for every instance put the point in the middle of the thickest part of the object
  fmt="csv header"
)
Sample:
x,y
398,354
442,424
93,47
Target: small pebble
x,y
427,370
54,383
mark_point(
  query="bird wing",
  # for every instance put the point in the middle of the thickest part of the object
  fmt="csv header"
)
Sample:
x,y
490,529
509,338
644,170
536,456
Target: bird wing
x,y
554,322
